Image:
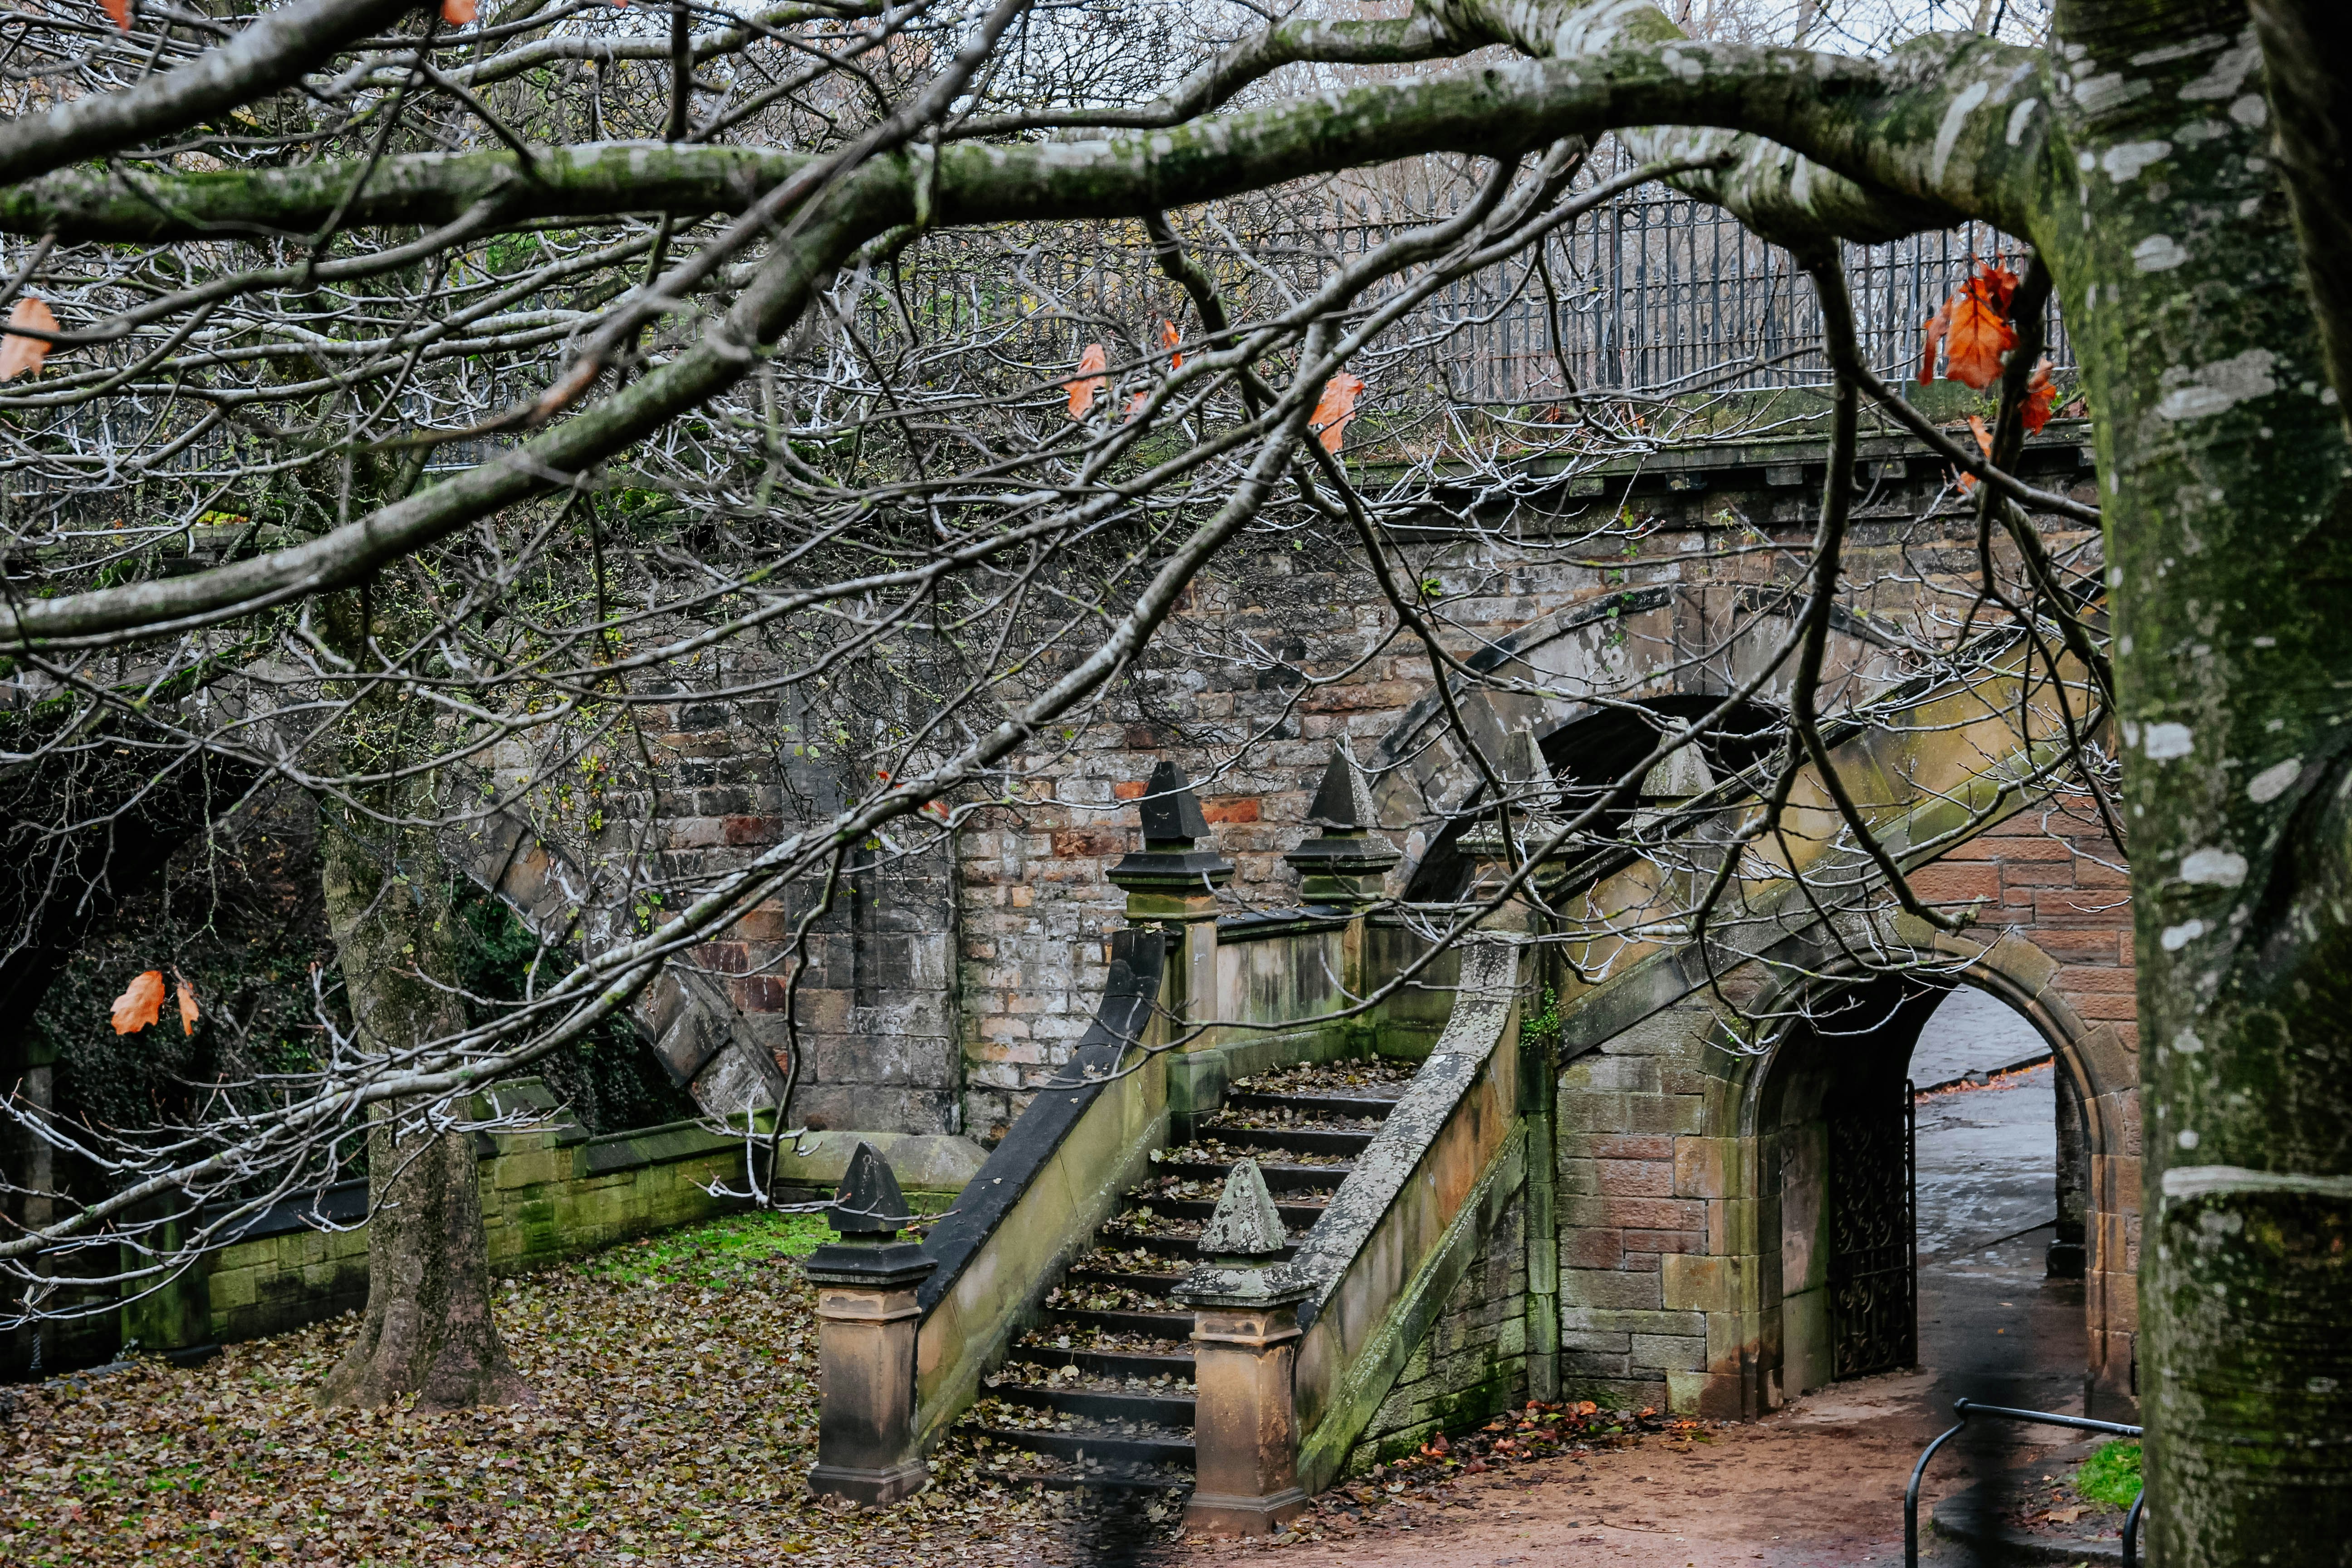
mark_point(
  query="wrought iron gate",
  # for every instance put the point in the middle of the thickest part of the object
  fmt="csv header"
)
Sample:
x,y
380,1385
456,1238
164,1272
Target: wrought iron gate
x,y
1873,1253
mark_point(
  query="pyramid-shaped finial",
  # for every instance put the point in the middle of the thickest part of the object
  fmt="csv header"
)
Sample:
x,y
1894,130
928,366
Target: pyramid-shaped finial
x,y
1522,760
1246,1224
1171,811
868,1202
1344,803
1343,868
1682,776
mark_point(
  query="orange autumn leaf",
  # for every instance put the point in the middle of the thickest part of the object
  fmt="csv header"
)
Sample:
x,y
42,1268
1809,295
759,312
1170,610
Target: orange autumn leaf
x,y
1973,327
1336,407
457,13
2040,396
1088,385
1976,337
1994,284
1984,444
1135,406
188,1014
1169,338
20,354
1934,327
117,12
141,1003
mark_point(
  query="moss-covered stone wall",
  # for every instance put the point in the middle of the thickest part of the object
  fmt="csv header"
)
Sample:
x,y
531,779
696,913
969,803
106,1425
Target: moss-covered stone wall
x,y
545,1195
1474,1360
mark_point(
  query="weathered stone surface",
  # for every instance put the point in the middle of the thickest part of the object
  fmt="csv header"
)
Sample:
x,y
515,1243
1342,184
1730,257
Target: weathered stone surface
x,y
1245,1224
1171,811
1343,801
868,1202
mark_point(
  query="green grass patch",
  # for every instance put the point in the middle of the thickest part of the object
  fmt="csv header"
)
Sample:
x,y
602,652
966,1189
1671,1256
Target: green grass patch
x,y
717,1253
2110,1476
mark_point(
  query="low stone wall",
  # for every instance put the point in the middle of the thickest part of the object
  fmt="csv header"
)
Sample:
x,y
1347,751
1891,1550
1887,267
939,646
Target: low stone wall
x,y
547,1195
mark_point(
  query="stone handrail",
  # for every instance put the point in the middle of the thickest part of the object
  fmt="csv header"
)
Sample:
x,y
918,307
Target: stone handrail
x,y
1044,1190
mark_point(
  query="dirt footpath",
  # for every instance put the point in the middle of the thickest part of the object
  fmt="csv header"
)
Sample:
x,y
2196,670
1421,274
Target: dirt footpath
x,y
1819,1484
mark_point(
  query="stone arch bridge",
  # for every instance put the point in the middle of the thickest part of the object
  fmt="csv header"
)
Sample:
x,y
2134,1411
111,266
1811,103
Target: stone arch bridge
x,y
1617,1165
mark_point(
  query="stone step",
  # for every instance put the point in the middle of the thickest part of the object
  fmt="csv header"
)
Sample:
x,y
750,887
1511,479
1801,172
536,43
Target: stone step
x,y
1158,1325
1173,1411
1297,1216
1183,1249
1278,1178
1311,1105
1108,1363
1305,1140
1141,1478
1159,1284
1106,1443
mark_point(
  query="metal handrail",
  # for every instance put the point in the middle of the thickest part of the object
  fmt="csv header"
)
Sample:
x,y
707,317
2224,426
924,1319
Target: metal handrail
x,y
1964,1408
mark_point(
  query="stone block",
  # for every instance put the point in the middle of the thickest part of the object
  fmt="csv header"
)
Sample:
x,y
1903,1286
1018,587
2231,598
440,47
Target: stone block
x,y
1732,1226
1633,1213
1634,1178
1631,1146
1949,882
1669,1352
1700,1284
1685,1391
1710,1167
1682,1325
1627,1073
1600,1364
1610,1287
1677,1113
1597,1246
1580,1109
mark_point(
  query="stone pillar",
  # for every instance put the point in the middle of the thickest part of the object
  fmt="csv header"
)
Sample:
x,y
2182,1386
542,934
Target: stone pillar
x,y
1345,867
1246,1347
866,1319
1171,882
28,1356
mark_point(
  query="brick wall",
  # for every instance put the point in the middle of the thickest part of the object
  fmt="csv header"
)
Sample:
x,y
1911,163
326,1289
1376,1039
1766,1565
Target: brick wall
x,y
1632,1120
1275,651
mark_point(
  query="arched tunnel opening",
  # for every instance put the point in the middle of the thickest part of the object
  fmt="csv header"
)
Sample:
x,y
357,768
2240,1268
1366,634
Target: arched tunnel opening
x,y
1928,1157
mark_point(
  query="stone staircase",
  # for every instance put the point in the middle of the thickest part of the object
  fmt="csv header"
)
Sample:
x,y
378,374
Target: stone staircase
x,y
1100,1392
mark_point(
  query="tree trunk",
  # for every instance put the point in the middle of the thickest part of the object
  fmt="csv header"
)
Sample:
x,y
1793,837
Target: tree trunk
x,y
2223,465
428,1329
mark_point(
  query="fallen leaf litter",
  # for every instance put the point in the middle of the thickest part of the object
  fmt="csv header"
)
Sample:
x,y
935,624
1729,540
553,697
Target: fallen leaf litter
x,y
675,1422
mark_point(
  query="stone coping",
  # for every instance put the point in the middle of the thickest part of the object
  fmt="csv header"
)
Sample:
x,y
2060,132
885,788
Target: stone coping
x,y
1139,957
345,1203
1259,925
2062,442
922,1162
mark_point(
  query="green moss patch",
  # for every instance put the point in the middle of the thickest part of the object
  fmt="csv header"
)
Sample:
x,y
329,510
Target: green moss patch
x,y
2110,1476
717,1253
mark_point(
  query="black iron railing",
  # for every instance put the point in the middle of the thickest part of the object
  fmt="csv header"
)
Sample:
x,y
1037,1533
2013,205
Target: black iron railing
x,y
1965,1408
